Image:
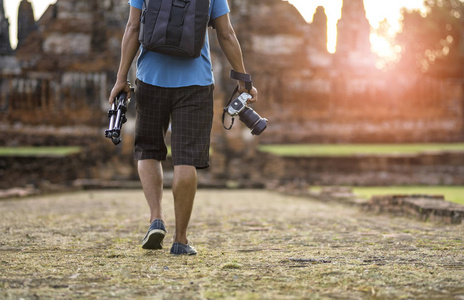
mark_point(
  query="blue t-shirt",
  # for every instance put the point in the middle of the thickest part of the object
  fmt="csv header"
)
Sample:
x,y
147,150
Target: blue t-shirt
x,y
172,72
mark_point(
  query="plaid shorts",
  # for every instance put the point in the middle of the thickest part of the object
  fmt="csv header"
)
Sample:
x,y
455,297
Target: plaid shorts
x,y
190,111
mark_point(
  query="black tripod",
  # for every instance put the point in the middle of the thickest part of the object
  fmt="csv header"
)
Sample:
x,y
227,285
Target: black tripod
x,y
117,115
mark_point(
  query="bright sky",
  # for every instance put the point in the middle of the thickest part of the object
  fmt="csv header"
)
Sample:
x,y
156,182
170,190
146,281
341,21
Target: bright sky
x,y
11,11
376,11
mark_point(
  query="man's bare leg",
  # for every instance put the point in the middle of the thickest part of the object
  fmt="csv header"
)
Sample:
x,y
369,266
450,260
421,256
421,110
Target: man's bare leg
x,y
184,187
151,176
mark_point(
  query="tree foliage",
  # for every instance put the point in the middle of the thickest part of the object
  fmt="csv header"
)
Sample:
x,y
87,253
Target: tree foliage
x,y
433,41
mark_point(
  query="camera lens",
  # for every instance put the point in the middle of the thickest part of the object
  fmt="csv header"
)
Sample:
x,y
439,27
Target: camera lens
x,y
253,121
259,127
249,117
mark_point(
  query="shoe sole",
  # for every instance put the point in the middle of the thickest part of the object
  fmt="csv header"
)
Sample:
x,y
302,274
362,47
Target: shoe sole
x,y
191,253
175,249
154,240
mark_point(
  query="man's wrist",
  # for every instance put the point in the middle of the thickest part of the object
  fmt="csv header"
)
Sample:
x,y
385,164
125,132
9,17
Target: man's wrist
x,y
121,78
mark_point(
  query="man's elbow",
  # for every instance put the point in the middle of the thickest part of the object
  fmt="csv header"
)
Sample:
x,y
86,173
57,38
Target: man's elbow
x,y
133,28
226,35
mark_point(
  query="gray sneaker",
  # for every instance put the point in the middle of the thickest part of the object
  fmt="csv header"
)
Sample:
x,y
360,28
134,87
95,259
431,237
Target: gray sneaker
x,y
155,235
182,249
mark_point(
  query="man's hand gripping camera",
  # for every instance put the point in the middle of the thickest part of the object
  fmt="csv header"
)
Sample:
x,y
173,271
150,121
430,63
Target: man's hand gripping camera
x,y
238,107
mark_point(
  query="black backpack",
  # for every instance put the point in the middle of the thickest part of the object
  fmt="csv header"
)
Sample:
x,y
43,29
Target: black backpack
x,y
174,27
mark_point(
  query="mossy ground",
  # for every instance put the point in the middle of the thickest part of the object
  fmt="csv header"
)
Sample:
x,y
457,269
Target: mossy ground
x,y
38,151
359,149
252,245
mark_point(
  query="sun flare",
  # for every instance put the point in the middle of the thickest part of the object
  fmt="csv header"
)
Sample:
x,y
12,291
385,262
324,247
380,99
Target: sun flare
x,y
383,48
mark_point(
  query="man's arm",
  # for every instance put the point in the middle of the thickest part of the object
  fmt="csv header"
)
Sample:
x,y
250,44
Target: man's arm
x,y
129,47
231,49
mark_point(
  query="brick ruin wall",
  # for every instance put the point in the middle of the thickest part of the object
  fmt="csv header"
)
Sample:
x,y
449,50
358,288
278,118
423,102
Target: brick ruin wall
x,y
72,98
308,94
445,168
383,110
440,168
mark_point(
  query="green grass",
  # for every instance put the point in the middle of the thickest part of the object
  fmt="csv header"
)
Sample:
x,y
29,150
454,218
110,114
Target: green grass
x,y
451,193
355,149
38,151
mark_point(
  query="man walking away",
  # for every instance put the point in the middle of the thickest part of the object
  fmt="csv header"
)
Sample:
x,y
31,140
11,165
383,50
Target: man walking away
x,y
177,90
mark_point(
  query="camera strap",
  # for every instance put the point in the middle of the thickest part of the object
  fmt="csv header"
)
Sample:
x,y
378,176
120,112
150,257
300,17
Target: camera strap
x,y
242,77
248,85
225,110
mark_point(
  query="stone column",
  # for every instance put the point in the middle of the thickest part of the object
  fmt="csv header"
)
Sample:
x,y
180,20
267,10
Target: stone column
x,y
5,46
26,21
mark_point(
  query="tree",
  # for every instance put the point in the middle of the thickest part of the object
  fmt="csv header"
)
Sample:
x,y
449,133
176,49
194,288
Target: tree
x,y
433,41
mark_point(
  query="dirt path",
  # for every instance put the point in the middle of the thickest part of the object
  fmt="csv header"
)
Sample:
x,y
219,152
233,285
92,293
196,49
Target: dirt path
x,y
252,245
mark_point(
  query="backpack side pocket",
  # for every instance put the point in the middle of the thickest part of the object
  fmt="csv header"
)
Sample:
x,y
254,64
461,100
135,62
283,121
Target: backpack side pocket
x,y
148,21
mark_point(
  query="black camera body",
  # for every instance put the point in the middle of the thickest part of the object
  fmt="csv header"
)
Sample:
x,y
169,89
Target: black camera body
x,y
117,116
246,114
